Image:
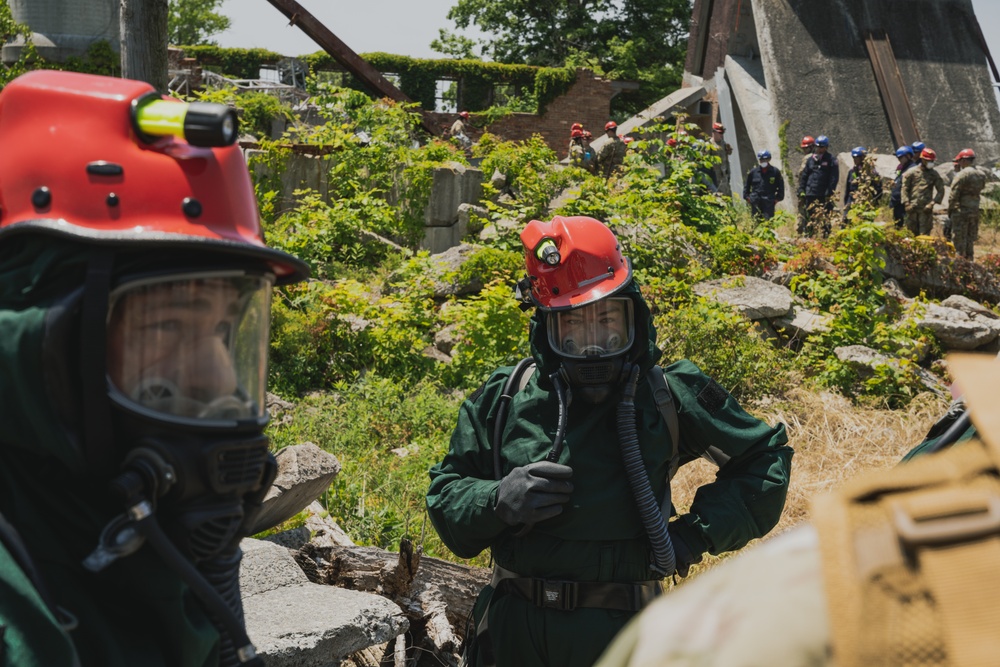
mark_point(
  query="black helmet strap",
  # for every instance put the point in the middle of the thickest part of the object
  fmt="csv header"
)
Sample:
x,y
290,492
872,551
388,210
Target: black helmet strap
x,y
97,435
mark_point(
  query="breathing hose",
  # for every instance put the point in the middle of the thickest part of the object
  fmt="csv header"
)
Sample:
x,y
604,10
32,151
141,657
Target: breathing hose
x,y
557,442
220,597
664,558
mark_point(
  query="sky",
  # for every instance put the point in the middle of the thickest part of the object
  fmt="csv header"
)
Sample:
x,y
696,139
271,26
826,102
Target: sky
x,y
404,27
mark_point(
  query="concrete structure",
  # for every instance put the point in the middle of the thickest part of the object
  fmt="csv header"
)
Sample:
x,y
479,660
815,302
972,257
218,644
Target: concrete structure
x,y
63,28
876,74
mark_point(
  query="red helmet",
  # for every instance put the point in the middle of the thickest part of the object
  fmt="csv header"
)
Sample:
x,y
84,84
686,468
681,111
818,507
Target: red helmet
x,y
928,154
573,261
576,126
671,142
587,134
463,114
808,141
610,125
75,163
576,133
718,127
965,154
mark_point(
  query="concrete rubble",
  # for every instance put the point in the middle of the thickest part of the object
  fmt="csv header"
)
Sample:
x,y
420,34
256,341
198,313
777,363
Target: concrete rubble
x,y
296,623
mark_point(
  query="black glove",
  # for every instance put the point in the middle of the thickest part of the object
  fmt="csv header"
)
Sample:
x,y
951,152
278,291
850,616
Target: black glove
x,y
533,493
685,557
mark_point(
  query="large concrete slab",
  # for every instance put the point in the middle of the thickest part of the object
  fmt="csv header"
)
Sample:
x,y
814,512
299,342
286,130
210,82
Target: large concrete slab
x,y
296,623
682,98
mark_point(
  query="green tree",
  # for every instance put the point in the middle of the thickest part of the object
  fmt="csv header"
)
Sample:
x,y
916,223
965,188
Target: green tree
x,y
454,46
9,31
641,40
194,21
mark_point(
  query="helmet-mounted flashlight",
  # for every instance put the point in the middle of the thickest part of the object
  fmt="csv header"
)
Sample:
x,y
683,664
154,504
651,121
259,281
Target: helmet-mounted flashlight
x,y
548,252
198,123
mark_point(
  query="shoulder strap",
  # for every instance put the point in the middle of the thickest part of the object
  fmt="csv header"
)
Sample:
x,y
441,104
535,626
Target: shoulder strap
x,y
665,404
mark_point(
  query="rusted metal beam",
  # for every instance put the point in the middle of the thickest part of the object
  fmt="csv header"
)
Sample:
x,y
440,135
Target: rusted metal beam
x,y
370,77
890,86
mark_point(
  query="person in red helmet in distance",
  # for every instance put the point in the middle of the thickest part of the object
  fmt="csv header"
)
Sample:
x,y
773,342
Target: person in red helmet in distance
x,y
560,465
135,308
611,155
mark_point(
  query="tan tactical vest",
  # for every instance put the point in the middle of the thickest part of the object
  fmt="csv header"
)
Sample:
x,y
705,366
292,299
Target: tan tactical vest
x,y
911,556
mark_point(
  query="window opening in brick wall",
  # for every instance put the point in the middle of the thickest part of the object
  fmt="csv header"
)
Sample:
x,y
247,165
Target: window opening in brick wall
x,y
446,95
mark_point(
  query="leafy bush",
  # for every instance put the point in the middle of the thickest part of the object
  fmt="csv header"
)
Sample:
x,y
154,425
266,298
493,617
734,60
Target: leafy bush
x,y
257,109
850,288
725,345
491,331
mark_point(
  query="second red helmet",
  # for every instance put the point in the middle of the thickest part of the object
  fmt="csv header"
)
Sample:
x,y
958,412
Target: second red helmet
x,y
573,261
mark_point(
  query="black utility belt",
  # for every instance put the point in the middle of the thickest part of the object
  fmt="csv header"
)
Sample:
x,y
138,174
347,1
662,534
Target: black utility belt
x,y
569,595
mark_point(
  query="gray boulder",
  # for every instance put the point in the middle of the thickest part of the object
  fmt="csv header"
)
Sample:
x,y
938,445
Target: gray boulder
x,y
959,329
304,472
802,322
756,298
296,623
865,360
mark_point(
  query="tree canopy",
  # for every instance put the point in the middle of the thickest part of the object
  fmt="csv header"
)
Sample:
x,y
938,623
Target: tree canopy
x,y
194,21
640,40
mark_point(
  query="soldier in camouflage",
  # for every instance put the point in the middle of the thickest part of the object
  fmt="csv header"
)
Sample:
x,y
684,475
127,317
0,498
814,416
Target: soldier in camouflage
x,y
923,187
612,154
963,204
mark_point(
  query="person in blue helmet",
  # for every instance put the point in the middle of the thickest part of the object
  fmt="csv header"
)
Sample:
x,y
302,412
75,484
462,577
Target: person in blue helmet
x,y
817,185
764,186
918,146
863,182
906,159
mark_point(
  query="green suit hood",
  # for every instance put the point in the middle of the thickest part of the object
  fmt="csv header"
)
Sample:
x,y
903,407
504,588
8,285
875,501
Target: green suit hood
x,y
644,351
38,278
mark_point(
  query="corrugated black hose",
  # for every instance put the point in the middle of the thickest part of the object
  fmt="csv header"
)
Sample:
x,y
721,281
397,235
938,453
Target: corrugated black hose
x,y
664,558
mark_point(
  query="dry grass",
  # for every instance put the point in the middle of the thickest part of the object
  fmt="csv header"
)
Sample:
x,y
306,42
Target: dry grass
x,y
833,441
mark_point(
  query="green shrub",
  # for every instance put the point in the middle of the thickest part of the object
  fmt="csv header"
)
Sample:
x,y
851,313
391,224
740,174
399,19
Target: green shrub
x,y
378,496
491,330
725,345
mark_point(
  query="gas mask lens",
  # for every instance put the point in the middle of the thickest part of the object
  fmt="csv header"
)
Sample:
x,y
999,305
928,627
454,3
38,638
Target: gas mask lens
x,y
192,346
601,329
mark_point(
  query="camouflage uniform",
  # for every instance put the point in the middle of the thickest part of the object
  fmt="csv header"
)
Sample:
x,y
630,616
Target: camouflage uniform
x,y
577,154
963,209
922,188
720,172
611,156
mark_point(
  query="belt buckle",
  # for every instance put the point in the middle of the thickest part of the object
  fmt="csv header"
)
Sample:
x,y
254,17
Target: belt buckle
x,y
560,595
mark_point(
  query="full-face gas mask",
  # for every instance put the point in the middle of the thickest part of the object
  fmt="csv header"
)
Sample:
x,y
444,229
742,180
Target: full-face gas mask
x,y
575,268
592,341
186,367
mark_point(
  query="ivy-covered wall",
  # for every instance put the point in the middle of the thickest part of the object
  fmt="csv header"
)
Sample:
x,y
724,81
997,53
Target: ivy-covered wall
x,y
418,77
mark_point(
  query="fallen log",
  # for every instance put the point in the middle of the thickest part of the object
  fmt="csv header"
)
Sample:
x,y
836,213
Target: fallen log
x,y
437,596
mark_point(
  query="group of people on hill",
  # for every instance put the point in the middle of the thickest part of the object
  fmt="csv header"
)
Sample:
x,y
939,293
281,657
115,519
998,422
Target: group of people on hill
x,y
605,161
916,189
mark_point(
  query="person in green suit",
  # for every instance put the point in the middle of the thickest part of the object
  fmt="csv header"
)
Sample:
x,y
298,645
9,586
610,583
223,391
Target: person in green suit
x,y
134,303
564,472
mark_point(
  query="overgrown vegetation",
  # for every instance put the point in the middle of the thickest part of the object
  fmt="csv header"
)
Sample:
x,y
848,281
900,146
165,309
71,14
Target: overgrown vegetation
x,y
352,346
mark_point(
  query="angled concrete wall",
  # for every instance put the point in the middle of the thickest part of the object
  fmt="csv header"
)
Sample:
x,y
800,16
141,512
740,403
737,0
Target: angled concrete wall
x,y
64,28
822,81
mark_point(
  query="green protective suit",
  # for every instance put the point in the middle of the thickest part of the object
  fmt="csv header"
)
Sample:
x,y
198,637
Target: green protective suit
x,y
599,536
135,612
